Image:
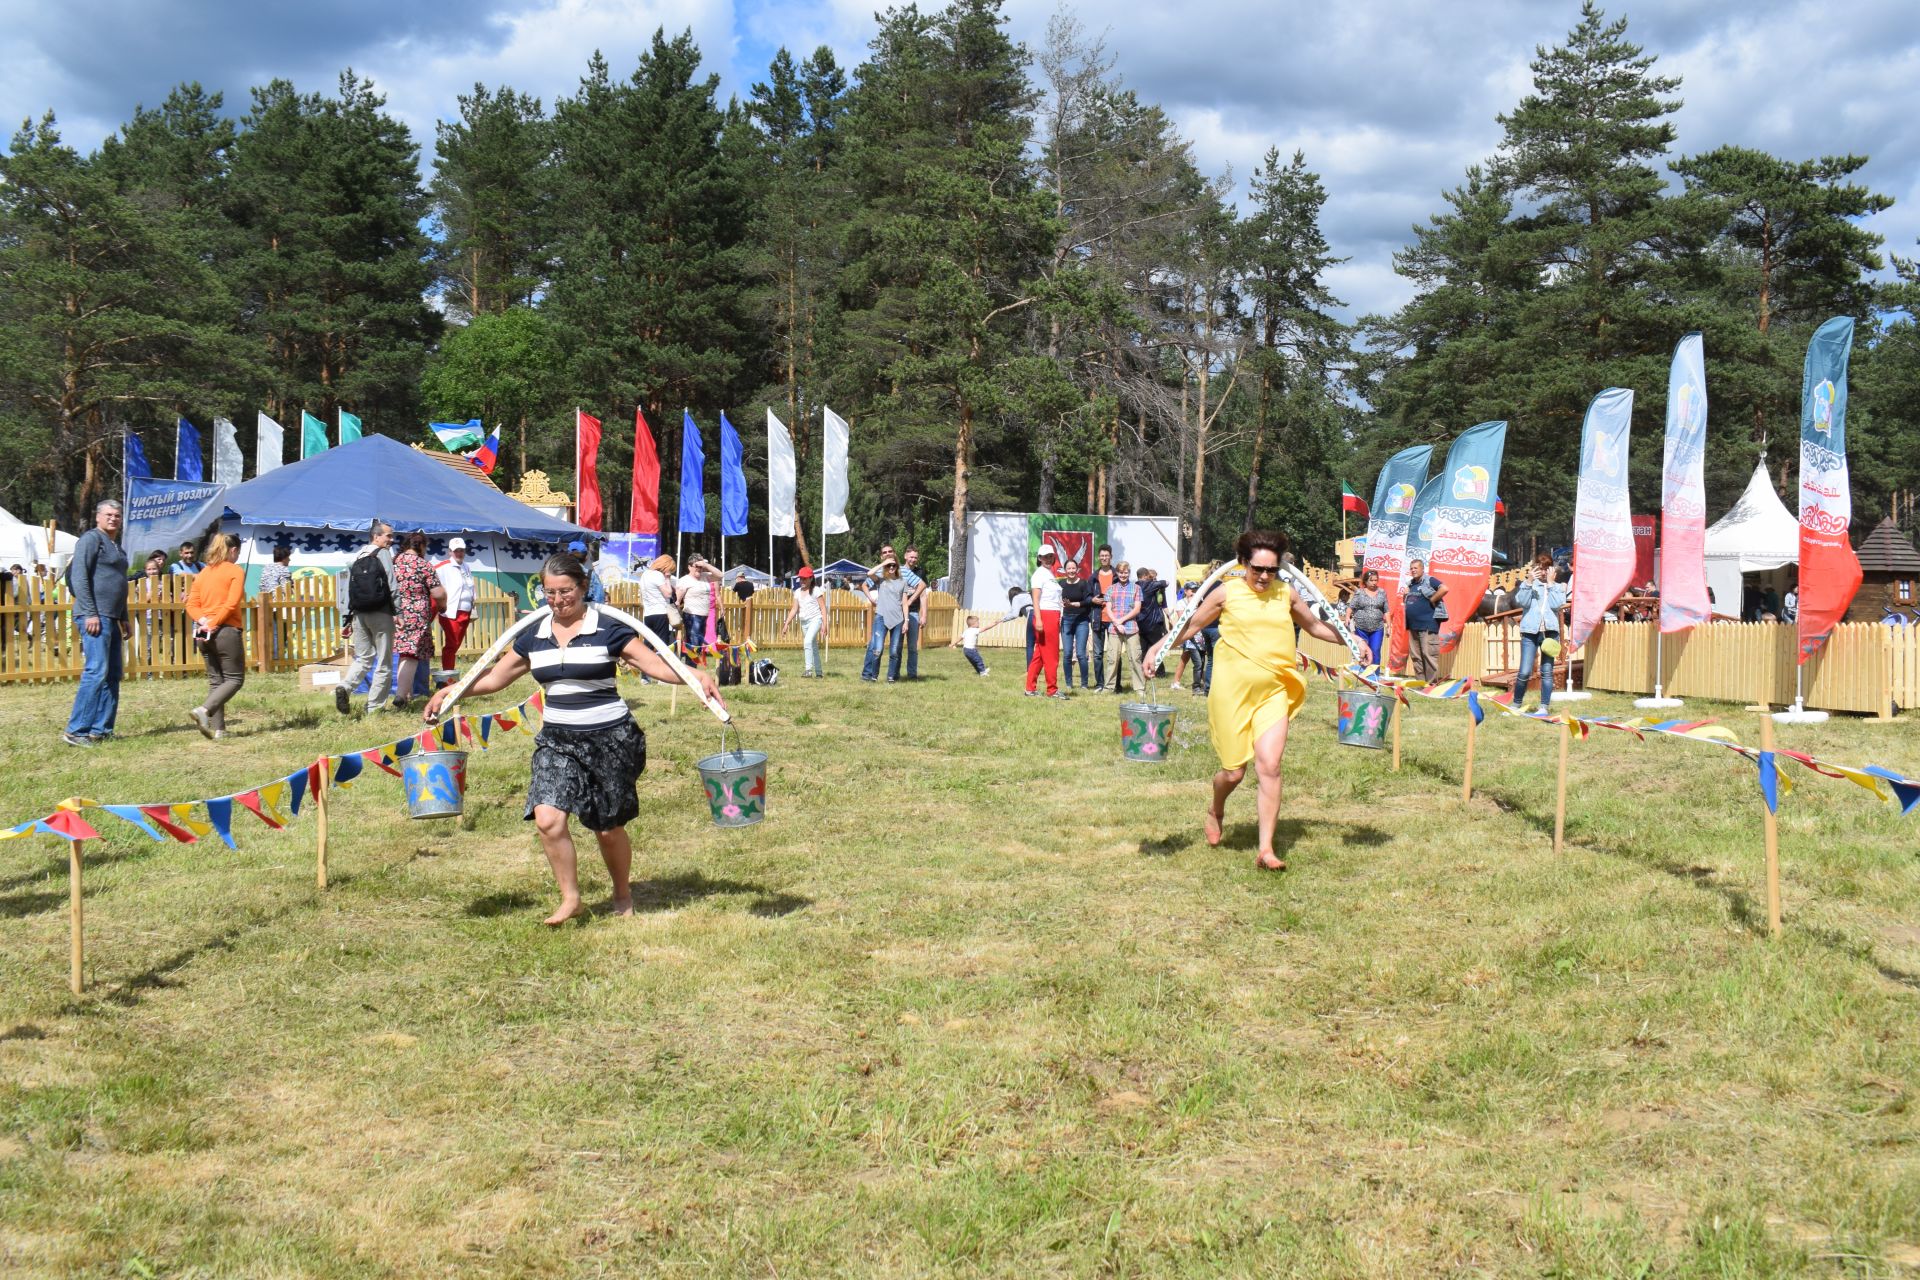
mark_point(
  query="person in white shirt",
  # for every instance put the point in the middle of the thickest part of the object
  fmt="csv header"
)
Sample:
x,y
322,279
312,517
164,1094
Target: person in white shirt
x,y
456,603
968,644
657,596
1047,602
695,592
809,608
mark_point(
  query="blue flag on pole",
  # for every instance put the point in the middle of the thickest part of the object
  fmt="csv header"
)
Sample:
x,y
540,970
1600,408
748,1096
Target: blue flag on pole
x,y
136,459
186,455
733,482
693,503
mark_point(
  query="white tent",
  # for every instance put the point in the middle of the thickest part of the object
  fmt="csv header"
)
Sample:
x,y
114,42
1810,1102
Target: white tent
x,y
1757,535
25,544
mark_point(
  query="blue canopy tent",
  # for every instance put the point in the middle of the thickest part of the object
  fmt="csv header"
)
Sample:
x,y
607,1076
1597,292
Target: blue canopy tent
x,y
323,505
844,570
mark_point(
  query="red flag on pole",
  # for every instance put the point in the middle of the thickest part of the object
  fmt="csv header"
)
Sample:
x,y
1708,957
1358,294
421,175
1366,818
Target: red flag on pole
x,y
644,513
586,461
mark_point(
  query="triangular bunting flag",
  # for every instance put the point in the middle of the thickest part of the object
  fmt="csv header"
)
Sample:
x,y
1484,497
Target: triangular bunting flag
x,y
1769,780
379,757
181,815
131,813
298,781
220,813
162,817
68,823
254,800
346,769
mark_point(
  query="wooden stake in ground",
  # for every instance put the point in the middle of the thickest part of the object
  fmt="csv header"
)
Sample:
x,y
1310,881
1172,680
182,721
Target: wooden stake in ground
x,y
76,980
1397,710
1560,793
320,800
1466,780
1773,832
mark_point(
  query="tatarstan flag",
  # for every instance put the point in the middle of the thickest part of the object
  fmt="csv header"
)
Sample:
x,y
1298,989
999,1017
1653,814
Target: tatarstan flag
x,y
1351,501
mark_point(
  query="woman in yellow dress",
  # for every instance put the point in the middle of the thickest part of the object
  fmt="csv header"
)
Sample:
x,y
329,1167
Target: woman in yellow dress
x,y
1257,687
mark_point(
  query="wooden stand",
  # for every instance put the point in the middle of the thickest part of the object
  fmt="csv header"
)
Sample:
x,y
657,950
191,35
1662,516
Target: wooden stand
x,y
320,802
1398,713
1560,793
76,980
1773,835
1466,780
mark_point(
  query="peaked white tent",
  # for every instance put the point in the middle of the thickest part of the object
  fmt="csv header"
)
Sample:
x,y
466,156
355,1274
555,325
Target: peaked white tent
x,y
27,543
1757,535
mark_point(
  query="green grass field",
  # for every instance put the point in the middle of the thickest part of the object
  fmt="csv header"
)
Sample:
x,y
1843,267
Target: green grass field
x,y
975,1000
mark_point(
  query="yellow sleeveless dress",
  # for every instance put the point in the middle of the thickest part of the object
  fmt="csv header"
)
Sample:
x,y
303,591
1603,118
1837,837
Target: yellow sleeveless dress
x,y
1256,679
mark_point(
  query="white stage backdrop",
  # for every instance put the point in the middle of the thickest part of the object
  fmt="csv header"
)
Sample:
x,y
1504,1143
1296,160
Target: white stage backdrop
x,y
997,551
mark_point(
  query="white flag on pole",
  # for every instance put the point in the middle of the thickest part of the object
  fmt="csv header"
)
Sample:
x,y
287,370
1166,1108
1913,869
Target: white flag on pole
x,y
271,448
229,464
782,478
833,477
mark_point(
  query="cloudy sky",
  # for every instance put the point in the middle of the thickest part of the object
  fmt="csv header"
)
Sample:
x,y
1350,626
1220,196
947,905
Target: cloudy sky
x,y
1390,99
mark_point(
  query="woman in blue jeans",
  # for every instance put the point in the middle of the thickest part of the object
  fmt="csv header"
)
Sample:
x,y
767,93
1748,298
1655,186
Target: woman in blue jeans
x,y
1540,599
1367,612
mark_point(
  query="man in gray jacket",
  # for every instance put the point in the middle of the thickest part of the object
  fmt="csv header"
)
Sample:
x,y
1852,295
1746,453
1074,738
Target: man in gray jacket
x,y
368,621
98,578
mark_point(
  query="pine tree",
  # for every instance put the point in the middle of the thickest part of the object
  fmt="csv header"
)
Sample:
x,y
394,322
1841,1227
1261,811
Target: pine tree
x,y
793,249
100,315
488,194
945,246
1617,259
1298,342
1790,256
648,290
327,193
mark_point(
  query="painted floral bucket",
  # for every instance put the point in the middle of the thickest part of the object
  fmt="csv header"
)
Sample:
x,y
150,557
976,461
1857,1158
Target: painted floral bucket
x,y
1365,718
1146,732
436,783
736,786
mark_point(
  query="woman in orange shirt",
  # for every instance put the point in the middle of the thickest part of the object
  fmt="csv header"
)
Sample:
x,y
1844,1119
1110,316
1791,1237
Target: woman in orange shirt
x,y
214,604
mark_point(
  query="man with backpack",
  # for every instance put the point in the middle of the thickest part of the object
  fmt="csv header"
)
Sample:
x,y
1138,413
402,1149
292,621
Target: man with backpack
x,y
369,621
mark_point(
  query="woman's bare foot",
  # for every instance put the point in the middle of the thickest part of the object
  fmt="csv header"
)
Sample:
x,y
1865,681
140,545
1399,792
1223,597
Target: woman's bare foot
x,y
569,907
623,906
1216,829
1268,862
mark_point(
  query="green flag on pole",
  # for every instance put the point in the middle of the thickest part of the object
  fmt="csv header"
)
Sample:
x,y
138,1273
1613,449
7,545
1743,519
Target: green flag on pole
x,y
349,427
313,435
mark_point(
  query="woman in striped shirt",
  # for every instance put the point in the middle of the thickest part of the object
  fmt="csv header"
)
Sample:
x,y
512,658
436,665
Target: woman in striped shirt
x,y
590,753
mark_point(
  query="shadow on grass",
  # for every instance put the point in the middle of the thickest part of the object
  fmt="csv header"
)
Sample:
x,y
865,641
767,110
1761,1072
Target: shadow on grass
x,y
159,976
31,904
1740,904
1287,832
500,904
667,893
670,892
56,868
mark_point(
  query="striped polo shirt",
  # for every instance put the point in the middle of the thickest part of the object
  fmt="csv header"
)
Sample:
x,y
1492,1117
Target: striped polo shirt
x,y
578,678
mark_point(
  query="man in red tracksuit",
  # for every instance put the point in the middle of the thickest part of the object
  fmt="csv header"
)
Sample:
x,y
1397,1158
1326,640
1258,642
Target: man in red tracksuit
x,y
1047,603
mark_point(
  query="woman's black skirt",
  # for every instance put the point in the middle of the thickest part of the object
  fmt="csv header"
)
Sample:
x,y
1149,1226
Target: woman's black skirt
x,y
589,773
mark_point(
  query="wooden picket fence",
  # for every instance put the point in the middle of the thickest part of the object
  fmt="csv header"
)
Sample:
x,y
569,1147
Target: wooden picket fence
x,y
296,624
1753,662
1866,667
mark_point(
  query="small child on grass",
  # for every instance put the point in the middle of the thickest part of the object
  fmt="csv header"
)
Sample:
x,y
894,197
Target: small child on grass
x,y
969,644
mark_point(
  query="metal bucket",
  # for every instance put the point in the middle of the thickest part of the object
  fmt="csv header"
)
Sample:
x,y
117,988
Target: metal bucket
x,y
436,783
736,786
1366,719
1146,732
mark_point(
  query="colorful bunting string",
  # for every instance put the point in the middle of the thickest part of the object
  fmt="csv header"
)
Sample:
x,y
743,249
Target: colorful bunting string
x,y
275,803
